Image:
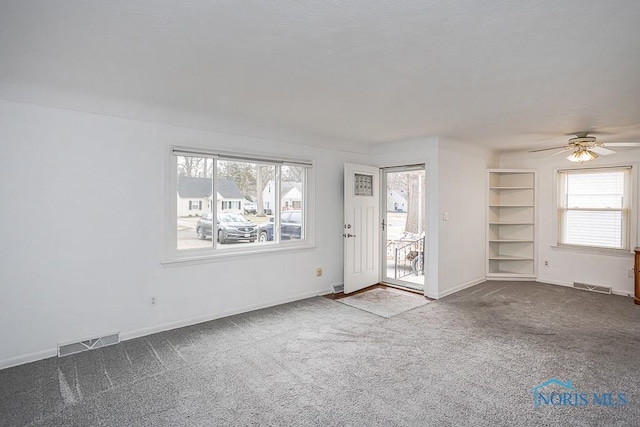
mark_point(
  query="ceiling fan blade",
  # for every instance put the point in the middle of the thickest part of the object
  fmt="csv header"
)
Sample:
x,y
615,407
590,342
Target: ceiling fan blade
x,y
552,148
621,144
560,152
602,151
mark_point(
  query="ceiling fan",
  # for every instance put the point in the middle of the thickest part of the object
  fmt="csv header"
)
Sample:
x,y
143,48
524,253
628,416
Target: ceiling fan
x,y
585,148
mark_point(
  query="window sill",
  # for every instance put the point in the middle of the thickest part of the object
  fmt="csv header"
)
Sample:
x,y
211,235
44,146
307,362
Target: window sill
x,y
202,257
593,250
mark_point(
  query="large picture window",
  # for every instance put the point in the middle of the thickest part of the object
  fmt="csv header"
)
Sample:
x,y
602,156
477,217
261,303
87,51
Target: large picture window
x,y
593,207
228,203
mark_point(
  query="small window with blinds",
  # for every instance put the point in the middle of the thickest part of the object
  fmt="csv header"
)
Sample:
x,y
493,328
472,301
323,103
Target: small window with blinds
x,y
593,207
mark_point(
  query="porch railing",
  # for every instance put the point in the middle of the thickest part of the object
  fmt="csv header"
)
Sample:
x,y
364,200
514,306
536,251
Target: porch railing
x,y
409,256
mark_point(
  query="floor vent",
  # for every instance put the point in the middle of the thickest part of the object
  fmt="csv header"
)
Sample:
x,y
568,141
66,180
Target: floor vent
x,y
90,344
592,288
338,288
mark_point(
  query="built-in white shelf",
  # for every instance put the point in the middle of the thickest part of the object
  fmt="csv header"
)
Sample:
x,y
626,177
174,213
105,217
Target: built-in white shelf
x,y
510,188
510,241
511,203
510,257
509,223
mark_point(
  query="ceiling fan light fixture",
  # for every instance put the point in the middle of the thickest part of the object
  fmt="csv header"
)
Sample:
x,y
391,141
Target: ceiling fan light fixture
x,y
582,155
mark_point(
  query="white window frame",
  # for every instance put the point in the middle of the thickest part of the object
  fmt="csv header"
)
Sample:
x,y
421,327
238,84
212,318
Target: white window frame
x,y
170,253
629,211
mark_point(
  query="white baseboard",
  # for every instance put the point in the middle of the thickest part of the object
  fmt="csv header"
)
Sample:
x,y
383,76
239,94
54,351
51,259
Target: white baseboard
x,y
461,287
44,354
430,294
570,285
28,358
331,289
125,336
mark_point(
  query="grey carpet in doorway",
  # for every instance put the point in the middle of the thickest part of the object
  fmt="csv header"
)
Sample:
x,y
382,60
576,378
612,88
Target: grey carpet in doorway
x,y
385,302
468,359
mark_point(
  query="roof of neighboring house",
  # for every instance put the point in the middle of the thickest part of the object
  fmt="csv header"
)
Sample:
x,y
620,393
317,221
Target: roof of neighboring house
x,y
288,186
228,189
193,187
291,190
189,186
397,193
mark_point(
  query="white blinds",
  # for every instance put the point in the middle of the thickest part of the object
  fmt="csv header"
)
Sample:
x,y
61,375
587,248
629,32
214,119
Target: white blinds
x,y
201,152
593,207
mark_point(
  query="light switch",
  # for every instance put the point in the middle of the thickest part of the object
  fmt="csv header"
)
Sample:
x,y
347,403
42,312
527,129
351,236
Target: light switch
x,y
445,216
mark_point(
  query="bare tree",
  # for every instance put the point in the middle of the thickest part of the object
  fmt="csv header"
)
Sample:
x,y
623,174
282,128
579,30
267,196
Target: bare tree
x,y
259,189
264,175
414,203
291,174
243,174
398,182
195,167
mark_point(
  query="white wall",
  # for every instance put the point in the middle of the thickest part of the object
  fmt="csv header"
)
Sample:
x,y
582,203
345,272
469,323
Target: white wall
x,y
412,152
73,268
566,267
462,177
455,180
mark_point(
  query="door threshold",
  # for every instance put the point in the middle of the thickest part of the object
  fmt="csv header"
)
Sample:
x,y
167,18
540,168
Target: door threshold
x,y
381,285
340,295
406,288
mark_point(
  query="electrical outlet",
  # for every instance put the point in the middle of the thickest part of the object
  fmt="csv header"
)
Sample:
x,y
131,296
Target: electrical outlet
x,y
546,263
318,271
153,301
445,216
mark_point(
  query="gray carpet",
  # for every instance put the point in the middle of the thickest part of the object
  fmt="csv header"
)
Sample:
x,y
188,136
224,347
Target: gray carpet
x,y
469,359
385,302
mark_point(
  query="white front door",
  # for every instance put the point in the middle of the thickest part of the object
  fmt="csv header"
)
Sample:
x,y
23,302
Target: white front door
x,y
361,227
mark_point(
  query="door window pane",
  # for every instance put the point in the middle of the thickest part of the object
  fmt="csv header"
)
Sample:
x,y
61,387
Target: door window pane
x,y
405,228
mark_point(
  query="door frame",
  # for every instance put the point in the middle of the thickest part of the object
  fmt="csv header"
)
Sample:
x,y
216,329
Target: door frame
x,y
383,234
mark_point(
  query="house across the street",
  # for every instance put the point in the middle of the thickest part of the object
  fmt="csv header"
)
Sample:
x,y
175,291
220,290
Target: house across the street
x,y
195,196
290,193
396,201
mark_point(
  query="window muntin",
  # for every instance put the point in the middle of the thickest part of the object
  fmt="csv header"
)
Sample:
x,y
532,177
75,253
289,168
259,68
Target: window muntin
x,y
593,207
291,198
363,185
218,188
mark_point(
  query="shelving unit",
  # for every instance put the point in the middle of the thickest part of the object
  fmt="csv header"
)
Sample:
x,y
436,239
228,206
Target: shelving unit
x,y
511,205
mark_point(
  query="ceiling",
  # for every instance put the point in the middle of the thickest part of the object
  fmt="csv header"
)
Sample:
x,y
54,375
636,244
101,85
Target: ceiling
x,y
502,74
